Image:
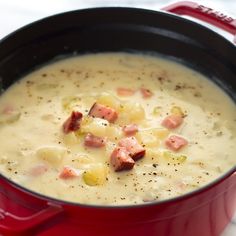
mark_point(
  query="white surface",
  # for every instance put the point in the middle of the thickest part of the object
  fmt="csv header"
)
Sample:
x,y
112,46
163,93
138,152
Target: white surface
x,y
16,13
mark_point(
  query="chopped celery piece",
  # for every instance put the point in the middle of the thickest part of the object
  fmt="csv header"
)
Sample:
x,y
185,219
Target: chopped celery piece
x,y
177,111
156,110
68,103
174,158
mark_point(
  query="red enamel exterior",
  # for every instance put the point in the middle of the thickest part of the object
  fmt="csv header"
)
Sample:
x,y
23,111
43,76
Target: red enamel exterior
x,y
210,208
204,212
204,13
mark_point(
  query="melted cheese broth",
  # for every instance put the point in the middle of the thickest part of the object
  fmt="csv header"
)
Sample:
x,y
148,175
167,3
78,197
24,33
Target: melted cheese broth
x,y
34,148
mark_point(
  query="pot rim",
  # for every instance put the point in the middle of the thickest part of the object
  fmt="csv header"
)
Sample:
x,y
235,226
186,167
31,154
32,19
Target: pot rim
x,y
179,198
134,9
125,206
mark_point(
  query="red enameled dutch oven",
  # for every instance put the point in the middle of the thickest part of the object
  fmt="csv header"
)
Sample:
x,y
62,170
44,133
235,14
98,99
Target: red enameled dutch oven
x,y
204,212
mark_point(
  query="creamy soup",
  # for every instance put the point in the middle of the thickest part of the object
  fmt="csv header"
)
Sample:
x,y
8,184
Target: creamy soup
x,y
115,128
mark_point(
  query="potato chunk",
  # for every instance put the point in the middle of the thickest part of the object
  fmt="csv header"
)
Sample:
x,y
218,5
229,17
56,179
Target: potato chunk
x,y
70,139
134,110
95,175
147,138
53,155
160,133
152,137
109,100
96,126
130,113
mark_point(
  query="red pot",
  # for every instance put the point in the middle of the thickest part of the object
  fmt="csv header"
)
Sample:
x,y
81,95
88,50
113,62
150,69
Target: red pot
x,y
203,212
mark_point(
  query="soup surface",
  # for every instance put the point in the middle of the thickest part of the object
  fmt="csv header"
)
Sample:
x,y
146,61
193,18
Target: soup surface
x,y
115,128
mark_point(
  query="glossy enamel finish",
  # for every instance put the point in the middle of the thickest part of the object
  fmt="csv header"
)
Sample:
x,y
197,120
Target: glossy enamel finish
x,y
204,212
204,13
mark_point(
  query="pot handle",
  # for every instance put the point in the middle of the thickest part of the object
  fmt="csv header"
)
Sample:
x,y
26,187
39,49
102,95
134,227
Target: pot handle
x,y
204,13
11,224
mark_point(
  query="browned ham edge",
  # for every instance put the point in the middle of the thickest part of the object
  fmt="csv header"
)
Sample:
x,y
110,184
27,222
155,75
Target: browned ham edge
x,y
136,151
128,151
103,112
146,93
121,160
73,122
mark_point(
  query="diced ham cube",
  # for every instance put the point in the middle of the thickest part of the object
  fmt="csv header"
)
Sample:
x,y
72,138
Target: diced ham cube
x,y
146,93
181,185
172,121
38,170
125,91
175,142
130,129
8,109
73,122
94,141
9,114
121,160
68,173
136,151
103,112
